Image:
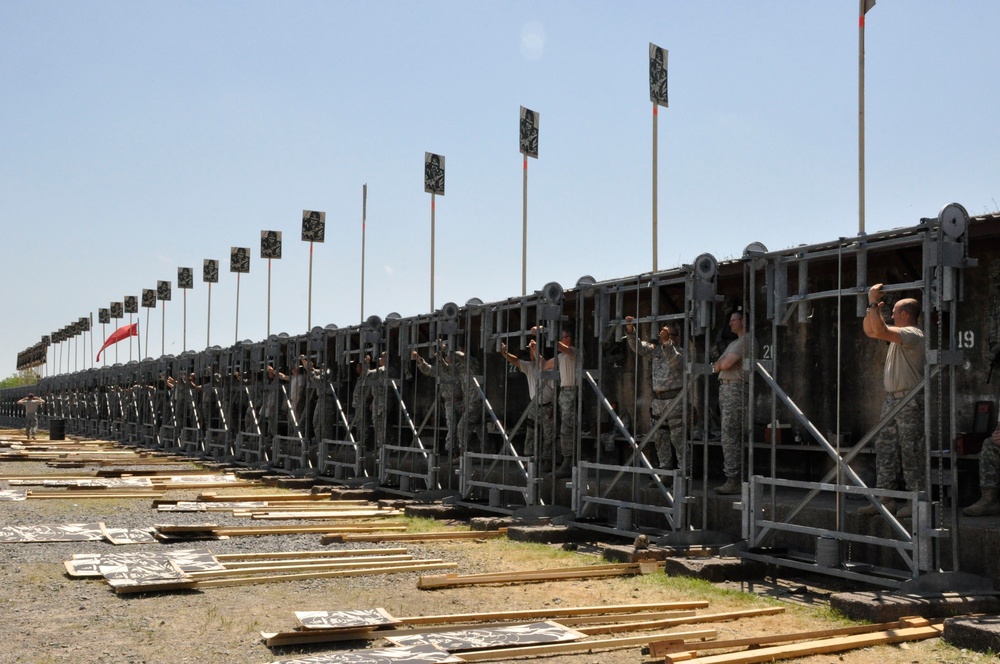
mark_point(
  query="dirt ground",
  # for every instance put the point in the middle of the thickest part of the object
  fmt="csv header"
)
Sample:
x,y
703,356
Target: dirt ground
x,y
52,617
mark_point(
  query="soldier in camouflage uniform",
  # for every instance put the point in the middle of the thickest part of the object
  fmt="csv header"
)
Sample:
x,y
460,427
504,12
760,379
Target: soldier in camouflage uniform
x,y
989,479
378,383
472,400
540,409
667,377
900,445
31,405
732,403
359,399
449,389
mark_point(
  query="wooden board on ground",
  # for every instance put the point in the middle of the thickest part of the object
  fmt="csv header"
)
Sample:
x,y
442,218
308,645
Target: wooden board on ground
x,y
533,576
415,537
13,494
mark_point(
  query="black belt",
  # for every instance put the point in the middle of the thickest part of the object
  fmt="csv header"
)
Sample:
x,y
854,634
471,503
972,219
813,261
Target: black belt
x,y
666,394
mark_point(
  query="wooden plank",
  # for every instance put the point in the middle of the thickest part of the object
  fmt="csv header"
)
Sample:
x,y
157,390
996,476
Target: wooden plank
x,y
583,572
817,647
580,646
77,495
211,496
329,514
293,566
415,537
315,528
217,583
664,648
674,622
324,553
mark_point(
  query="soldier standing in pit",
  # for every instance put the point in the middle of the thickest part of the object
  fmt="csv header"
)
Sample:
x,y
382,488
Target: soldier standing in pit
x,y
472,401
378,384
732,403
989,479
450,391
540,409
667,377
900,445
567,403
359,399
31,405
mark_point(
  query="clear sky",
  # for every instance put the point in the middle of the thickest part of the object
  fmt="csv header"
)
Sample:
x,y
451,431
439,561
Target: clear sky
x,y
139,137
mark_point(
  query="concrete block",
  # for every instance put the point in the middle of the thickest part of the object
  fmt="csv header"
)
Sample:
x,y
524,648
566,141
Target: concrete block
x,y
546,534
715,570
981,633
883,606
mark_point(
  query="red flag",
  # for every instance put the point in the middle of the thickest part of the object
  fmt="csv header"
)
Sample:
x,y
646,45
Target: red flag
x,y
123,332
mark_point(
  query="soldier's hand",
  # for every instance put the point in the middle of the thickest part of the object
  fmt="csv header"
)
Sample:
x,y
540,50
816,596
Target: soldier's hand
x,y
628,323
874,293
414,354
996,437
503,348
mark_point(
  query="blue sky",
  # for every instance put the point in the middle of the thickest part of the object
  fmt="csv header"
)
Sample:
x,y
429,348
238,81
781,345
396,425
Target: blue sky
x,y
139,137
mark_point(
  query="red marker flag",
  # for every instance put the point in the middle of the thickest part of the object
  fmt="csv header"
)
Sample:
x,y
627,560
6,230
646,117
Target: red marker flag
x,y
123,332
866,6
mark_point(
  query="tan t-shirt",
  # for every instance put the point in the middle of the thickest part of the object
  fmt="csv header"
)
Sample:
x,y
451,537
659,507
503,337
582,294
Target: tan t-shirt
x,y
736,347
904,363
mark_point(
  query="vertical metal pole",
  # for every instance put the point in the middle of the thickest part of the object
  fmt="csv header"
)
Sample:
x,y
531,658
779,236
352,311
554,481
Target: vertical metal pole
x,y
104,335
656,116
237,308
432,253
268,297
861,118
524,230
309,318
364,216
184,333
92,339
208,330
129,338
163,329
147,328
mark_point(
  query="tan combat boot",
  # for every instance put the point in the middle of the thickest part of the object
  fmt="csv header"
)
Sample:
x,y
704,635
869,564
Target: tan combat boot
x,y
732,485
988,505
871,510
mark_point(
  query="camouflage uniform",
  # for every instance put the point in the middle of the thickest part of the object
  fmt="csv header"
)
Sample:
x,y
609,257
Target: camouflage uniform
x,y
472,402
732,403
567,405
900,444
541,412
358,399
667,375
989,465
450,391
378,384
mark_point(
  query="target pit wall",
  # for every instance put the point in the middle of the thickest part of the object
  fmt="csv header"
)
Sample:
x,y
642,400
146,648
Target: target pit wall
x,y
816,392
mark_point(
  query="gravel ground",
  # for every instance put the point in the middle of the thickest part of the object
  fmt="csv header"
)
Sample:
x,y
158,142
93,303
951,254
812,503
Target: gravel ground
x,y
52,617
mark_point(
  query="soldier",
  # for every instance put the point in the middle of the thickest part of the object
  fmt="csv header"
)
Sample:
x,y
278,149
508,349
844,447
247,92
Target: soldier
x,y
567,402
472,400
450,391
542,393
31,405
667,377
378,384
732,403
989,479
359,401
900,444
